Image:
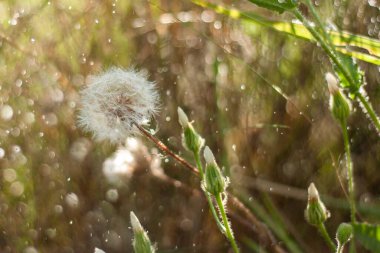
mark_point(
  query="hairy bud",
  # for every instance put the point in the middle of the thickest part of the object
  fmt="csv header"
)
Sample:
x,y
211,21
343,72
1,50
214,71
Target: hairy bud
x,y
339,104
315,212
141,242
214,182
191,140
344,233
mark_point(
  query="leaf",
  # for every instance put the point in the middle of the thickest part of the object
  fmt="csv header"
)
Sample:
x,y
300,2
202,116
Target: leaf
x,y
355,73
275,5
360,56
346,42
368,235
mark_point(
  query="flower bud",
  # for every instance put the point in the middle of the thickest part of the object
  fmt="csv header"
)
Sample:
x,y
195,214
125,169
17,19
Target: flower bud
x,y
182,117
315,212
344,233
141,242
191,140
339,104
214,182
208,155
332,83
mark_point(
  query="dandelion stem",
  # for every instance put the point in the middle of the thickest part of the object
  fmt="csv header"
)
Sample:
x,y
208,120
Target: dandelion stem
x,y
322,229
165,149
208,196
350,170
223,214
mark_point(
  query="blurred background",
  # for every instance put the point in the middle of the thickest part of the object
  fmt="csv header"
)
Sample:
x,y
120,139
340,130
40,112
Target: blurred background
x,y
258,97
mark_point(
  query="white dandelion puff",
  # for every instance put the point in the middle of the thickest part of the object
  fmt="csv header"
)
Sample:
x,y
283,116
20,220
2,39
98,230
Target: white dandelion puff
x,y
114,101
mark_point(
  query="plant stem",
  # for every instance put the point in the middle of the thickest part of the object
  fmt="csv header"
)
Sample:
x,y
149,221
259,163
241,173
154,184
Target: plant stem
x,y
164,148
322,229
208,196
339,248
368,107
351,185
318,20
350,171
223,214
259,227
330,50
199,164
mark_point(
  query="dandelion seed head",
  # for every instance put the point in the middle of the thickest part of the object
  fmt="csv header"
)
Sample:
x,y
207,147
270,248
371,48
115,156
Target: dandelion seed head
x,y
114,101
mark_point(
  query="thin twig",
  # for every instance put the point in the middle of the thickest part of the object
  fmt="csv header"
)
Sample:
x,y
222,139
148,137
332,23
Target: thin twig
x,y
165,149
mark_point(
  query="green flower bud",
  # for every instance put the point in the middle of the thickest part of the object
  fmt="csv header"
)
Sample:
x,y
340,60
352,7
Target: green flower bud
x,y
214,182
344,233
315,212
191,140
340,106
141,242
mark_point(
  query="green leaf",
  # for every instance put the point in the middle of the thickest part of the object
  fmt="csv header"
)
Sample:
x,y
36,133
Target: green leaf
x,y
345,42
275,5
368,235
355,74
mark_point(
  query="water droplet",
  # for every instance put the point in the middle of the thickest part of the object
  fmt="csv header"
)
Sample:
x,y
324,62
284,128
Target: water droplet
x,y
72,200
13,21
2,153
6,112
112,195
18,83
9,175
30,249
58,209
16,189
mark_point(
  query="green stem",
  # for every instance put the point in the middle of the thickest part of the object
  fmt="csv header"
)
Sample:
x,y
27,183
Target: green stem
x,y
322,229
318,20
330,50
208,196
350,170
199,164
368,107
223,214
339,248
